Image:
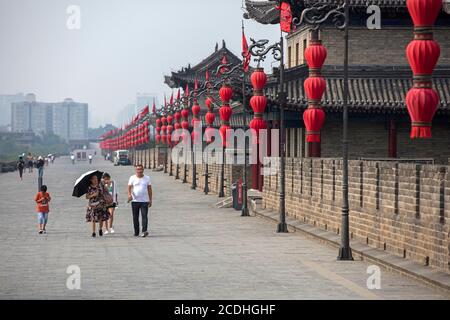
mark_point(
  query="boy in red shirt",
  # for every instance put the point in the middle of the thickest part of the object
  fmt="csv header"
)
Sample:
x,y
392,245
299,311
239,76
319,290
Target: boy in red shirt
x,y
42,199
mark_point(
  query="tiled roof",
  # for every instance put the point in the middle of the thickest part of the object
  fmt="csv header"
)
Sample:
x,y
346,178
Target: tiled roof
x,y
264,11
189,74
371,89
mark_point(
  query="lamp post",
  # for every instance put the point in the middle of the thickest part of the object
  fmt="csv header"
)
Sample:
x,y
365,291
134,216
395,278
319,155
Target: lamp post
x,y
260,50
316,15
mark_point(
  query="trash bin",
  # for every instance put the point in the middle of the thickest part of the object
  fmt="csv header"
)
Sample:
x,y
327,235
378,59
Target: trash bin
x,y
239,195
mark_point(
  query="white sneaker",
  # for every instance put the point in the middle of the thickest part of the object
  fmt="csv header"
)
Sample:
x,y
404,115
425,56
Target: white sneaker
x,y
111,230
106,232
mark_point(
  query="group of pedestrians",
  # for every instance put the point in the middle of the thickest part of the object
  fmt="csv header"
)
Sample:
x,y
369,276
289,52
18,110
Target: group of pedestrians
x,y
31,162
102,199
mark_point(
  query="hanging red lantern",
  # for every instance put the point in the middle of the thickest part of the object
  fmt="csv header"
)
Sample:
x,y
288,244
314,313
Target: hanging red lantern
x,y
225,93
314,119
315,86
315,54
424,12
423,56
423,53
422,104
210,118
158,122
225,112
258,79
258,102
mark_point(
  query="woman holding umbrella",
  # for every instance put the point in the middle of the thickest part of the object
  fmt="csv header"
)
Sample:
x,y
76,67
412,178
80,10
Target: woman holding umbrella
x,y
98,198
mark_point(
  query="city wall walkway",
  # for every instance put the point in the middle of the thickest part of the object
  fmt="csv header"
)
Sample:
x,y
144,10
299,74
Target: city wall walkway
x,y
194,251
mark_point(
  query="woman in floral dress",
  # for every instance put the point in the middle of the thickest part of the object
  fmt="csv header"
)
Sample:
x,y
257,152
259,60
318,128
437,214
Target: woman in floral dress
x,y
97,211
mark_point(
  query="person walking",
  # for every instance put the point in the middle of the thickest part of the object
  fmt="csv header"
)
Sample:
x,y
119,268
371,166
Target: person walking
x,y
111,186
140,194
97,207
20,167
40,166
42,200
30,162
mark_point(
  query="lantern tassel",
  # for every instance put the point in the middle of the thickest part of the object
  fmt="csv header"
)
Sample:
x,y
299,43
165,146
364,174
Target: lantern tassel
x,y
420,132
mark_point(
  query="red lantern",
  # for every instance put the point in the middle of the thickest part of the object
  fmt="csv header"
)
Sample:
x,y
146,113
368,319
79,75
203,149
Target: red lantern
x,y
258,79
422,105
185,113
423,53
314,119
424,12
315,88
195,110
315,54
185,125
210,118
158,138
225,93
164,120
225,112
169,119
177,116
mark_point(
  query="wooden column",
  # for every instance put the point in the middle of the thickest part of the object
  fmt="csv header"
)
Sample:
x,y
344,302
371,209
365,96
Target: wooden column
x,y
392,136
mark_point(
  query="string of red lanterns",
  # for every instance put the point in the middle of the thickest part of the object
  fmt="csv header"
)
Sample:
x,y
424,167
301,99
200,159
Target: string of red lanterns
x,y
423,53
315,85
225,112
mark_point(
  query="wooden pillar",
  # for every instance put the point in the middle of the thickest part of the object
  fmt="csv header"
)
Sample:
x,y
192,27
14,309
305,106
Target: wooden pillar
x,y
392,136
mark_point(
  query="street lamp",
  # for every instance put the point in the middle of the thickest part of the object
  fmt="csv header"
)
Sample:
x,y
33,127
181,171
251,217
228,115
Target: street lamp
x,y
316,15
260,50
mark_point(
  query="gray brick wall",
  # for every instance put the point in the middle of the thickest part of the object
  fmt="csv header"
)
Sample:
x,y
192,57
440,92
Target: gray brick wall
x,y
401,207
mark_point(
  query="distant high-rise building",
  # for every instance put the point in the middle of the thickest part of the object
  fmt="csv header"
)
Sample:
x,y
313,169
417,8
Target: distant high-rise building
x,y
6,101
145,99
67,119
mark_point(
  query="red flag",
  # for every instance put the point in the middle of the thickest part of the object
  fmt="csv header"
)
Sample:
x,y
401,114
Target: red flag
x,y
186,92
245,54
165,101
154,107
179,94
285,17
195,85
171,99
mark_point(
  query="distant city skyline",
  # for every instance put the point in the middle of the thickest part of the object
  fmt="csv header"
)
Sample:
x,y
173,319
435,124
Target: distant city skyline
x,y
120,49
67,119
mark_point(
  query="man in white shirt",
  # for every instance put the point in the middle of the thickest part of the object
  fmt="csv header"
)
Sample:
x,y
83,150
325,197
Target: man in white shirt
x,y
140,195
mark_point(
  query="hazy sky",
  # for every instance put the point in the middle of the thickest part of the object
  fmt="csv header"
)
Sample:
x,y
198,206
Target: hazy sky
x,y
123,47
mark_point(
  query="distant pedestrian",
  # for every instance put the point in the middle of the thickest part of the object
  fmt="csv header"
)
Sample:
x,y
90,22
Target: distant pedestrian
x,y
72,158
111,186
20,167
30,161
42,199
97,211
40,166
90,158
140,195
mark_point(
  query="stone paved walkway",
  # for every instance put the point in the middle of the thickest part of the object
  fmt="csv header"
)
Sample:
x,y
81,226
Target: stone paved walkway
x,y
194,252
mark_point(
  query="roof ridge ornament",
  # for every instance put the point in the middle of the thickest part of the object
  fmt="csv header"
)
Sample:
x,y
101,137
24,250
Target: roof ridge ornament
x,y
319,13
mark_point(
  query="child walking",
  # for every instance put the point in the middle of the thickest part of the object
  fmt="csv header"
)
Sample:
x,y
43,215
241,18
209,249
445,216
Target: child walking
x,y
42,207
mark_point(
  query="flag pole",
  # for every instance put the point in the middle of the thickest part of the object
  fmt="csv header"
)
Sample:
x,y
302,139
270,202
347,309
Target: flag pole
x,y
244,212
